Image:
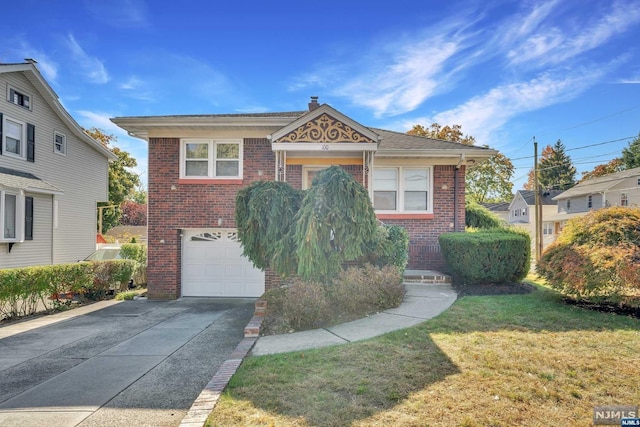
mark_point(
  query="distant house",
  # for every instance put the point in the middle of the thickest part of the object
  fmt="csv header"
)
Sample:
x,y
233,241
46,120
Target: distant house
x,y
522,213
616,189
501,210
197,164
51,174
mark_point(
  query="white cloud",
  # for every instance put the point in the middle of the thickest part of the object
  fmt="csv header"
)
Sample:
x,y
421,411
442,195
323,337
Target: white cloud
x,y
410,78
120,13
131,84
483,115
92,67
567,37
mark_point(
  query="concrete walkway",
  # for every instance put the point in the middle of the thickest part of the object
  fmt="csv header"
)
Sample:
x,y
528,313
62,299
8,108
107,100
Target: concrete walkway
x,y
421,302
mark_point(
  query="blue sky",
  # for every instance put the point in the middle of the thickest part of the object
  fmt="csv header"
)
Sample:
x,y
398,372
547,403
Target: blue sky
x,y
506,71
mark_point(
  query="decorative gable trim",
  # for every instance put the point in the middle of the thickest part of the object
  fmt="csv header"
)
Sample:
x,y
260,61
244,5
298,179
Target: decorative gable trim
x,y
327,129
324,125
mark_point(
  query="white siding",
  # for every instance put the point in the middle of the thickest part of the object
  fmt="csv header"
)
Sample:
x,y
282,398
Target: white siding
x,y
38,250
629,186
518,204
82,174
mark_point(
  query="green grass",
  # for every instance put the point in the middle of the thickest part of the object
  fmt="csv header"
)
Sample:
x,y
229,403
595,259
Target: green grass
x,y
487,361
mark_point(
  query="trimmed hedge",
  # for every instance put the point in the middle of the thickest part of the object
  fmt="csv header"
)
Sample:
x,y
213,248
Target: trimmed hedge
x,y
487,256
23,289
478,216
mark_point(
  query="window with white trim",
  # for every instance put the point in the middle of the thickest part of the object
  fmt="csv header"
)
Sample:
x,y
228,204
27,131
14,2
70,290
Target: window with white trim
x,y
547,228
589,202
11,213
568,204
13,140
624,199
210,158
19,98
402,189
59,143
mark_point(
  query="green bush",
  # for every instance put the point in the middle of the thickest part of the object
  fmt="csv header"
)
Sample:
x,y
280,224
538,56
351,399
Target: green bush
x,y
110,275
488,256
392,247
138,253
596,256
478,216
23,289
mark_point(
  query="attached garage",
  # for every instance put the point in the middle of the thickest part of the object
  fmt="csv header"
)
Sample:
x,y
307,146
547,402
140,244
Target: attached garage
x,y
213,265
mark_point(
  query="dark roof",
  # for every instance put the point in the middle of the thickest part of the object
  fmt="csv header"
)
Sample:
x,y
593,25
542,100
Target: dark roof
x,y
497,207
390,140
547,196
292,114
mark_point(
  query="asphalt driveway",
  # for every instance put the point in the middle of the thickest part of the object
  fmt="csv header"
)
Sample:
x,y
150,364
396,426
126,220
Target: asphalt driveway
x,y
130,363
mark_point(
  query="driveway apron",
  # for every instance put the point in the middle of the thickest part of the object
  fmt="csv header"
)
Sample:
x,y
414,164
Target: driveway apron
x,y
132,363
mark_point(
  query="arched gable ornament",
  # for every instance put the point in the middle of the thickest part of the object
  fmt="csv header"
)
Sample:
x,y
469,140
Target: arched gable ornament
x,y
325,128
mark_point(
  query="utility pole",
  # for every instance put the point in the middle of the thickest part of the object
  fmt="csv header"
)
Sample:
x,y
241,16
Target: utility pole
x,y
538,207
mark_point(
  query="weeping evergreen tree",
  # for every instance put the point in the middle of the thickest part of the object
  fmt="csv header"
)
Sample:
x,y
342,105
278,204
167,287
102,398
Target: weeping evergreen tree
x,y
265,218
335,223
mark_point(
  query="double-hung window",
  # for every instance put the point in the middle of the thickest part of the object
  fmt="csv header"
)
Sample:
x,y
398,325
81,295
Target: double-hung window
x,y
59,143
624,199
13,141
12,216
402,189
211,159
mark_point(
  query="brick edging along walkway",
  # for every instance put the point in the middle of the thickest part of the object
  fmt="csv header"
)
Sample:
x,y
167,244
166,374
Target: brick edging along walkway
x,y
206,401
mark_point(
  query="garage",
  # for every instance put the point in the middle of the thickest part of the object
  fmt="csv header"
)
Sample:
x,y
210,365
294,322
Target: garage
x,y
213,265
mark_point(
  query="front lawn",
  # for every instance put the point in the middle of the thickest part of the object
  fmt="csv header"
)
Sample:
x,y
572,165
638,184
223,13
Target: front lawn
x,y
487,361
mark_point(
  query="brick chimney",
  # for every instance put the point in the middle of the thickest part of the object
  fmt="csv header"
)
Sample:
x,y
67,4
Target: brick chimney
x,y
314,103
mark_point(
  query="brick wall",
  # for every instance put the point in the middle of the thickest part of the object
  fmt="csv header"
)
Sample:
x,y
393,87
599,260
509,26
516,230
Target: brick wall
x,y
174,206
424,249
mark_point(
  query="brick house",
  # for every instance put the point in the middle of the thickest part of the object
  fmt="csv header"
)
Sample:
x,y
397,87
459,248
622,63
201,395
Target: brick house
x,y
197,163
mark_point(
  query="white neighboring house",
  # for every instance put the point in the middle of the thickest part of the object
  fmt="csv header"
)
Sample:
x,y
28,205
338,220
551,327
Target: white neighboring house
x,y
615,189
52,174
522,214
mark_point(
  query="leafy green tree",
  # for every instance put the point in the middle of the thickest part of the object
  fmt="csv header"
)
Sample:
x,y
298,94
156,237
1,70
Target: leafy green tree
x,y
631,154
448,133
490,180
122,181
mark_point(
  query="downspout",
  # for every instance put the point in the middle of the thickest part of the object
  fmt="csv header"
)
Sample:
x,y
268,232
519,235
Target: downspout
x,y
455,192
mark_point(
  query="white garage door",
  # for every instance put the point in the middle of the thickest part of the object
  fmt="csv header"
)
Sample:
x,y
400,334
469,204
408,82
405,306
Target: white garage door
x,y
213,266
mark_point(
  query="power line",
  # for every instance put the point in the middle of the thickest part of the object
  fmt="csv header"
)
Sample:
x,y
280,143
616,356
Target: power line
x,y
581,147
603,118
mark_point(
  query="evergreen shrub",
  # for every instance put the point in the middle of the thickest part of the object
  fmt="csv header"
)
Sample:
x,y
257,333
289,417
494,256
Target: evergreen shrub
x,y
487,256
477,216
